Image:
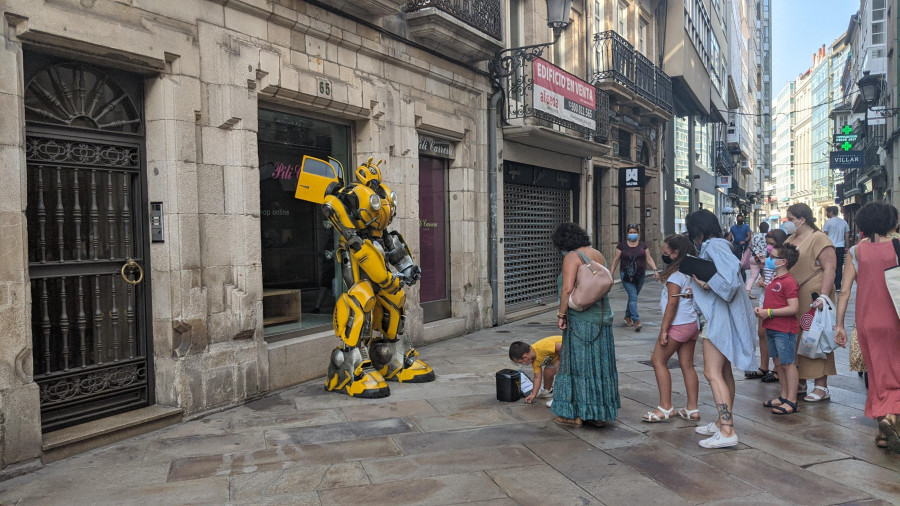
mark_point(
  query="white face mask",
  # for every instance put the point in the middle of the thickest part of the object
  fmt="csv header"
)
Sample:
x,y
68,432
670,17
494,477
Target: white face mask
x,y
789,228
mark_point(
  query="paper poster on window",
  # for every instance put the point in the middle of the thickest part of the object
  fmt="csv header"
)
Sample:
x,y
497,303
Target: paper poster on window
x,y
723,182
563,95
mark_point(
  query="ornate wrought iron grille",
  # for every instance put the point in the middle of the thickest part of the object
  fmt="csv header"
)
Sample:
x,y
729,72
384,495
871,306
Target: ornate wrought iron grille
x,y
616,61
84,214
481,14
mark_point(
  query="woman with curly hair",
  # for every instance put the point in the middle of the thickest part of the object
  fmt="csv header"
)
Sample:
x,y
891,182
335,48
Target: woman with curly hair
x,y
586,388
877,323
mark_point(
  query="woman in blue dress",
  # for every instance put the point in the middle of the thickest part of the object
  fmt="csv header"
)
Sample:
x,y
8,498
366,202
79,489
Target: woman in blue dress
x,y
586,389
730,324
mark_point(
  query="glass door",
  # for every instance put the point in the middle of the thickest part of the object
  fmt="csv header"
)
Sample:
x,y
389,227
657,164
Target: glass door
x,y
434,235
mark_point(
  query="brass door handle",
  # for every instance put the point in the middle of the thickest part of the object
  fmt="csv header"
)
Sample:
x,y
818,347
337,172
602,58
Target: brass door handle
x,y
131,266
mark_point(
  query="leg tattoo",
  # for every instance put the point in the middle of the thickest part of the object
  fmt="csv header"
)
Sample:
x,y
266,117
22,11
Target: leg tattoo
x,y
724,414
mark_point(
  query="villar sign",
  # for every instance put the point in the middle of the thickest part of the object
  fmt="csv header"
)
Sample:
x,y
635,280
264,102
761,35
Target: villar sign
x,y
846,160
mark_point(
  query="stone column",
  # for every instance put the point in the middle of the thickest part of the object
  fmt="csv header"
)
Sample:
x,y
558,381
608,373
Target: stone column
x,y
20,414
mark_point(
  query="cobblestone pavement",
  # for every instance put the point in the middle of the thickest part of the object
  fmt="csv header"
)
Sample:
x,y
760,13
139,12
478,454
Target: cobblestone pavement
x,y
452,442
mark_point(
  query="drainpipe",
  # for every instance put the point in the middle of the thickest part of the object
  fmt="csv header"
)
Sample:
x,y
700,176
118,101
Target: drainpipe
x,y
493,170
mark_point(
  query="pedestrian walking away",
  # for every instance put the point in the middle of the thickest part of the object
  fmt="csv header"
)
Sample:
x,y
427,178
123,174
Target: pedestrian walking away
x,y
728,311
877,323
839,233
631,255
678,334
815,274
586,389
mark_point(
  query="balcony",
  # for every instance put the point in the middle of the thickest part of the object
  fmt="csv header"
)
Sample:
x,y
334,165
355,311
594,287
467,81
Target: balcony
x,y
520,104
371,8
467,30
724,162
628,73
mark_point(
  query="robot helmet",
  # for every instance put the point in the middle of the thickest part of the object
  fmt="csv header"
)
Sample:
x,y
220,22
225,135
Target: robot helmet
x,y
369,174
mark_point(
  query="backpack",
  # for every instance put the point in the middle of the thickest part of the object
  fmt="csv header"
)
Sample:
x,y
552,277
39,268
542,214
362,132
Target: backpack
x,y
592,282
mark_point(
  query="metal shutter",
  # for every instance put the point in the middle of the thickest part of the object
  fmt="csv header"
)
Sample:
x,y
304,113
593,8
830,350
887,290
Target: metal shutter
x,y
531,262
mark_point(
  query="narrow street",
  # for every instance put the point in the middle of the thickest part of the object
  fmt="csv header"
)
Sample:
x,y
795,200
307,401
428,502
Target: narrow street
x,y
452,442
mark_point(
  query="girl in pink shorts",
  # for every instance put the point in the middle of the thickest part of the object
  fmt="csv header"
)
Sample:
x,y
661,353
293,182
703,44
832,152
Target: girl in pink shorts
x,y
679,334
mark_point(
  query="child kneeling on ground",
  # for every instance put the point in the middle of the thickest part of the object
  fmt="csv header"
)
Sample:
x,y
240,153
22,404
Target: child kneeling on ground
x,y
542,354
779,318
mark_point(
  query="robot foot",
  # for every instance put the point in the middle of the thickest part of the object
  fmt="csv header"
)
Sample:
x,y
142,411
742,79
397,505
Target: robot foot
x,y
366,385
418,372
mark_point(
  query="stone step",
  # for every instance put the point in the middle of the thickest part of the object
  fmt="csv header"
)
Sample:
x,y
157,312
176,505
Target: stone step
x,y
443,329
70,441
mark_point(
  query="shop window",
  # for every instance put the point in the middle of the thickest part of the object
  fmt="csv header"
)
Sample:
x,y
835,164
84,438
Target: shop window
x,y
300,279
434,235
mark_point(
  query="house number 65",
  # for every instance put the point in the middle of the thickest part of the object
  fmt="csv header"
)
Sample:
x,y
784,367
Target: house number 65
x,y
324,88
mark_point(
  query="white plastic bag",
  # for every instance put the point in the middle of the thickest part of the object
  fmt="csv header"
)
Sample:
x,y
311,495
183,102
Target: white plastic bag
x,y
819,339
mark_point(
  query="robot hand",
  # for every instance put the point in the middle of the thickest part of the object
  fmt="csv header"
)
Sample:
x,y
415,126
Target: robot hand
x,y
410,275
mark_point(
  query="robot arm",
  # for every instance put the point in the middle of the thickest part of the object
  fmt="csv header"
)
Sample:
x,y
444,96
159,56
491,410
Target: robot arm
x,y
399,256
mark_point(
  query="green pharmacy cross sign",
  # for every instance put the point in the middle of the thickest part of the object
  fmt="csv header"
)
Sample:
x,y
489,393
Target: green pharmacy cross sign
x,y
846,129
846,138
846,146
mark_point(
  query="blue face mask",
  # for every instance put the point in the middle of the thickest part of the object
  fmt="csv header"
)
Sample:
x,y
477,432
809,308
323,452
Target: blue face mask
x,y
632,237
770,264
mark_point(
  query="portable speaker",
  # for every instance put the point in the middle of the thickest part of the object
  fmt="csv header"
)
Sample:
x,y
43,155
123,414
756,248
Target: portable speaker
x,y
509,385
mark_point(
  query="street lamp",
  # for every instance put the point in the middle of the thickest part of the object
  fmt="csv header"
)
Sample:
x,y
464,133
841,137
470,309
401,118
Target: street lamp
x,y
558,16
869,88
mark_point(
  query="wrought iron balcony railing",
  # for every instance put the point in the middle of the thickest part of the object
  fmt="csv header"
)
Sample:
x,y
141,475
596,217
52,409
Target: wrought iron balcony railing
x,y
851,183
617,62
724,162
737,191
481,14
870,151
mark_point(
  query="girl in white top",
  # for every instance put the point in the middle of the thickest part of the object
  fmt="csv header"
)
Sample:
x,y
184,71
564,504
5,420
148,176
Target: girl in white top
x,y
679,333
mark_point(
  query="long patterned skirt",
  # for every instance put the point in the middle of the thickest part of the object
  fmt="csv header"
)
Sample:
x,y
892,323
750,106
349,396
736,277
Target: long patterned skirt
x,y
587,384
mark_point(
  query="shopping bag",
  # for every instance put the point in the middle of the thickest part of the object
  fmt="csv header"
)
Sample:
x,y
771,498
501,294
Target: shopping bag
x,y
856,359
746,259
818,340
892,278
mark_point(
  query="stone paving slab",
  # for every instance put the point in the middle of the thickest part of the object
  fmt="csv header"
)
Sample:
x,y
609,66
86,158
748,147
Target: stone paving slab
x,y
451,442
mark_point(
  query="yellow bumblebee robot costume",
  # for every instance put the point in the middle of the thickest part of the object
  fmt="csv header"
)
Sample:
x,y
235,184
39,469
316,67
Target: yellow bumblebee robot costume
x,y
375,299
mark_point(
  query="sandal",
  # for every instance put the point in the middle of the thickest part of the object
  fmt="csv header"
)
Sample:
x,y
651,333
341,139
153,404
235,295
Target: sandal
x,y
770,377
652,417
881,441
781,410
771,404
574,422
637,326
749,294
629,322
759,373
814,397
891,431
688,414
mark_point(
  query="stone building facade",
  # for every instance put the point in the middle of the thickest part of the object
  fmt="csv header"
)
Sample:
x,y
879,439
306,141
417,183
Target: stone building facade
x,y
162,140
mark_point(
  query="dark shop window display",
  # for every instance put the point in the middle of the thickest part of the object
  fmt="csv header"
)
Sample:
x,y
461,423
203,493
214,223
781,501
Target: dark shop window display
x,y
300,281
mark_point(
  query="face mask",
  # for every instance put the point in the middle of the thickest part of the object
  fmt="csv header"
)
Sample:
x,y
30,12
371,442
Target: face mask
x,y
770,264
740,222
667,259
789,228
632,237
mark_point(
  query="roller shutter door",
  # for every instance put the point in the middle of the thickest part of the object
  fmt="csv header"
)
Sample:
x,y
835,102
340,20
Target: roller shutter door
x,y
531,262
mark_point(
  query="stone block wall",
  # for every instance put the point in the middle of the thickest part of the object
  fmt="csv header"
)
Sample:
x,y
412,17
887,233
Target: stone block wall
x,y
208,68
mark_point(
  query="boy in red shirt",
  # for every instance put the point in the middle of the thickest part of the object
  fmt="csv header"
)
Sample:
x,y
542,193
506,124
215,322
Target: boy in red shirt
x,y
779,318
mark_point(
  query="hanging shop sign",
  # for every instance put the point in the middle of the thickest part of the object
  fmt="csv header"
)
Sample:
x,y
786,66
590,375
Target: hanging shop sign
x,y
842,138
846,160
723,181
560,94
429,146
632,177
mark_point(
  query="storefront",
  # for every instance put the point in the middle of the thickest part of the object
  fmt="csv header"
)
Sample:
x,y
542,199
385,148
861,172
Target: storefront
x,y
535,201
434,228
299,275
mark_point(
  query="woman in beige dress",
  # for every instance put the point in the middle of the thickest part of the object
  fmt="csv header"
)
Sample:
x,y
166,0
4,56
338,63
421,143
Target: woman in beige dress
x,y
814,272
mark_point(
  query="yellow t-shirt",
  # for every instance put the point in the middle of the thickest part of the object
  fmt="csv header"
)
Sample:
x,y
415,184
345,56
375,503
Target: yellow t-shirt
x,y
545,352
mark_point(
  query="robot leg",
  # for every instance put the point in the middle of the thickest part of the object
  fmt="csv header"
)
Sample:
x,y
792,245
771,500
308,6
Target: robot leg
x,y
392,355
347,369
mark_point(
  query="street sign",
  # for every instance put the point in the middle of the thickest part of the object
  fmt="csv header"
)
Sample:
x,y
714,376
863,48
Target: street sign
x,y
846,129
841,160
842,138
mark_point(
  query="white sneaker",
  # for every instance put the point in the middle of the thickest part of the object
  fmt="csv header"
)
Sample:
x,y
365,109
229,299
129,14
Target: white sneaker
x,y
708,429
550,403
544,394
719,441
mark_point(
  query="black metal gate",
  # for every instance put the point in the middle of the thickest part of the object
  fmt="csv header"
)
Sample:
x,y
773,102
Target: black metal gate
x,y
86,241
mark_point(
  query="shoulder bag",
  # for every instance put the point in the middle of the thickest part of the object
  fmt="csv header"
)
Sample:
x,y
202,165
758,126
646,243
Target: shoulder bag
x,y
892,278
592,282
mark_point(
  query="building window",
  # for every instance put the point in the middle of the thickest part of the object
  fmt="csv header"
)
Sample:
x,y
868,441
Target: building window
x,y
622,20
516,37
642,37
878,22
300,283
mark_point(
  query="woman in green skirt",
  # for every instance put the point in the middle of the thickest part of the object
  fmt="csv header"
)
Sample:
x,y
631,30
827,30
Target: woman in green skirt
x,y
586,389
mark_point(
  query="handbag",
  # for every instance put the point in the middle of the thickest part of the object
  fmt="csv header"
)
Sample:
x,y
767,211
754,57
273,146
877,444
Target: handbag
x,y
856,359
746,259
592,282
892,278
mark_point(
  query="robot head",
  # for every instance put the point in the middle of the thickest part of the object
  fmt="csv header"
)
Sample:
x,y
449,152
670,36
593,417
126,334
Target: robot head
x,y
369,174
